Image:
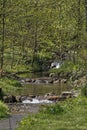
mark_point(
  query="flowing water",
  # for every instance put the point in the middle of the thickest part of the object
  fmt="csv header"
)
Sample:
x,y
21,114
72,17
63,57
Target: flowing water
x,y
41,89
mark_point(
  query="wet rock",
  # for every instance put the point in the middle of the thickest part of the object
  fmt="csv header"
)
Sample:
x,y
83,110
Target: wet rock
x,y
63,80
56,81
22,81
9,99
53,75
33,80
18,98
32,96
22,98
76,93
53,98
40,97
38,81
49,94
29,98
65,95
28,80
51,81
44,80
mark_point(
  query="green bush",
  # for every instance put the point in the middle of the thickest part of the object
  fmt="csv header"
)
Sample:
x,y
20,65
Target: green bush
x,y
84,90
54,109
9,85
15,83
4,110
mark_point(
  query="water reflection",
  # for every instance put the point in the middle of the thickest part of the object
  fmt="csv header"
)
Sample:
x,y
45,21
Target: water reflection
x,y
42,89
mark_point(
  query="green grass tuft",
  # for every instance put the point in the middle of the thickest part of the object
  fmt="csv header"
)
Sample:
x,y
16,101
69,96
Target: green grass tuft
x,y
4,110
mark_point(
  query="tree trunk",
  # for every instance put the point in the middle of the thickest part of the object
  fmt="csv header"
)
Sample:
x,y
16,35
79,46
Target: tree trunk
x,y
12,46
3,36
86,13
35,38
79,22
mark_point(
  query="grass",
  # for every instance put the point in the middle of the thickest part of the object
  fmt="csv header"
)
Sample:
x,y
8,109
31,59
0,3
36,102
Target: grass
x,y
9,85
4,110
67,115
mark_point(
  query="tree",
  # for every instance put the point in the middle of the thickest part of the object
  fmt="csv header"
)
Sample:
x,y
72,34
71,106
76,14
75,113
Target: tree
x,y
3,34
86,13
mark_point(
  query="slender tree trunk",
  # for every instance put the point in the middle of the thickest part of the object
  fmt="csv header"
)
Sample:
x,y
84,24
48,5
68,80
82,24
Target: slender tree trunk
x,y
60,34
79,19
79,29
3,36
35,44
35,38
12,62
86,14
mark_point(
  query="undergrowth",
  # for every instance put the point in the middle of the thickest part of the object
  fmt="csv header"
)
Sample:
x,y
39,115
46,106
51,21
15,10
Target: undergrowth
x,y
67,115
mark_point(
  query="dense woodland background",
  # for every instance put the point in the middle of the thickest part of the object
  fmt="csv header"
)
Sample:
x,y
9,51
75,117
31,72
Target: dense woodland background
x,y
35,32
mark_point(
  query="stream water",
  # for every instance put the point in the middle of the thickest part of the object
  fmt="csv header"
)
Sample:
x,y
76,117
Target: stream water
x,y
41,89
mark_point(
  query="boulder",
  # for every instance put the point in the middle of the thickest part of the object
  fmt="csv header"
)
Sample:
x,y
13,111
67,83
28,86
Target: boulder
x,y
18,98
53,98
9,99
28,80
56,81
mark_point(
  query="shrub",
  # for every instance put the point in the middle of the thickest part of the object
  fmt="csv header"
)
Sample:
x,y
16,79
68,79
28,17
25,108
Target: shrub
x,y
3,110
53,109
84,90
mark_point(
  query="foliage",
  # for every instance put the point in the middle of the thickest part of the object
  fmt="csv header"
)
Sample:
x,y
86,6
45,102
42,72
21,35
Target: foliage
x,y
84,90
9,85
47,29
55,109
4,111
72,117
66,68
